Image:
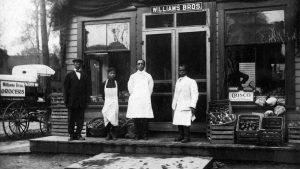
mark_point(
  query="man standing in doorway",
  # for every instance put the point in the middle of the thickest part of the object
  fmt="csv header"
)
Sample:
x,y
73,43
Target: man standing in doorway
x,y
184,104
76,95
140,87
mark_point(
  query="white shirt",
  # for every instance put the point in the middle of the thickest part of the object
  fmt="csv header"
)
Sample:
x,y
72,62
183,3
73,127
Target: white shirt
x,y
78,74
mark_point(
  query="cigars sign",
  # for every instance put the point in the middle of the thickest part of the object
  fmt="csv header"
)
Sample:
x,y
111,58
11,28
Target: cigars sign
x,y
241,96
177,8
12,89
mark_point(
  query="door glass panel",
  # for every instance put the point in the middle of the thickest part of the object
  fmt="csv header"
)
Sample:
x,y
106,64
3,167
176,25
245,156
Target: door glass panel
x,y
192,52
158,54
158,64
193,18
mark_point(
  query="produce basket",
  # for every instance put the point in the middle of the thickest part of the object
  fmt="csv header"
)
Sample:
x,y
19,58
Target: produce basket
x,y
248,127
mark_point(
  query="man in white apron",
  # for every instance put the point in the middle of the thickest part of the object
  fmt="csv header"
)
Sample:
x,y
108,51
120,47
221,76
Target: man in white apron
x,y
184,104
110,109
140,87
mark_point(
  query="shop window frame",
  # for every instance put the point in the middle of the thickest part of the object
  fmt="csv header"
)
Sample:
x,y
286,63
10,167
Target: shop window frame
x,y
224,9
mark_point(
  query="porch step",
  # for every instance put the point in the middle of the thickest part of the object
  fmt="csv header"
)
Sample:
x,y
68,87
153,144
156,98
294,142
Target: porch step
x,y
125,161
166,146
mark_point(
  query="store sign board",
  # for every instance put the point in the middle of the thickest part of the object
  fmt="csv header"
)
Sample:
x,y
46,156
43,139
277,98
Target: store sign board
x,y
241,96
12,89
197,6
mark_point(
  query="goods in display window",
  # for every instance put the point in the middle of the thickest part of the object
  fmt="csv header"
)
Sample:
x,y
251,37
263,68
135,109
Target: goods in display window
x,y
221,122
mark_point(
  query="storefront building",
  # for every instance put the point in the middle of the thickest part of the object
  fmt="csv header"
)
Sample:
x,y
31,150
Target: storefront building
x,y
214,38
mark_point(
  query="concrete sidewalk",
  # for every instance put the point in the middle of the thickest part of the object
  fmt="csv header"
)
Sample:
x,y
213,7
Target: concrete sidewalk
x,y
134,161
14,147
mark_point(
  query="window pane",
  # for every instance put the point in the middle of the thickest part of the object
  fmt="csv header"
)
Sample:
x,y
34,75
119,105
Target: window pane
x,y
255,27
264,64
118,36
193,18
95,37
158,53
156,21
240,28
269,26
192,51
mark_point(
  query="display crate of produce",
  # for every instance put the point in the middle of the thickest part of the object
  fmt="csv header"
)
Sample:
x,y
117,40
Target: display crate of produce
x,y
221,122
272,131
248,126
294,132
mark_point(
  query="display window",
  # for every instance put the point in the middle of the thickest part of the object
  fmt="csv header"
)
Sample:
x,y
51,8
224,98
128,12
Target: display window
x,y
255,54
107,45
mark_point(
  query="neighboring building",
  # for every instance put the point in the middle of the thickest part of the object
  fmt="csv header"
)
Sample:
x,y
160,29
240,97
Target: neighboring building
x,y
259,37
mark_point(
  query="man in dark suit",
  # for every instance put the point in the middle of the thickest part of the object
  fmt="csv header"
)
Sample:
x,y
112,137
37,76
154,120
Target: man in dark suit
x,y
76,95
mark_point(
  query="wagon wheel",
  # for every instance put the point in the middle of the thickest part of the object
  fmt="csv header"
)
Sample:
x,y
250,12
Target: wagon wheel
x,y
15,119
45,122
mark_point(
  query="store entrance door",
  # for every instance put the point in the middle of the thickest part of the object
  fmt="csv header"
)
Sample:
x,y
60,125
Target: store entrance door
x,y
163,51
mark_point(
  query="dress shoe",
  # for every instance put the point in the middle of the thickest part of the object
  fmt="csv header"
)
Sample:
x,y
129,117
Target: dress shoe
x,y
185,140
178,139
136,137
145,137
80,138
108,137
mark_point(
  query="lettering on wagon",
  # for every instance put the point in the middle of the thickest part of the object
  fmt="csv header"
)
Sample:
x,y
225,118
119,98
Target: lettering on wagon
x,y
12,89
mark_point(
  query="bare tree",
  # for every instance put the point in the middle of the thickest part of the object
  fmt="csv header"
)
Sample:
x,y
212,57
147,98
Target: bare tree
x,y
36,19
44,34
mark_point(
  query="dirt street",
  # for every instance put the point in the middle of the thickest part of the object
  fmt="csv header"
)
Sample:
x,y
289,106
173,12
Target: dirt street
x,y
60,161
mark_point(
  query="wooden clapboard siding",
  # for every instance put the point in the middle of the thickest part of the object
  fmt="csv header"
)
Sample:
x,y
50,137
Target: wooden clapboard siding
x,y
72,42
297,81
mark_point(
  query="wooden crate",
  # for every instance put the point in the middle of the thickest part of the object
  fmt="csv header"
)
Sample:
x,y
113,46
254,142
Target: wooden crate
x,y
57,99
272,131
216,105
272,136
294,134
220,134
247,136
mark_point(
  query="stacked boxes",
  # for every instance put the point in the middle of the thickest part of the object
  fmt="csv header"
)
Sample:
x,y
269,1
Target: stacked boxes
x,y
272,131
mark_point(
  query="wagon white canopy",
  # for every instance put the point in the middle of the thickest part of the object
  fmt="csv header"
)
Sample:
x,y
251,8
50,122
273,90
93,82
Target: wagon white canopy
x,y
33,70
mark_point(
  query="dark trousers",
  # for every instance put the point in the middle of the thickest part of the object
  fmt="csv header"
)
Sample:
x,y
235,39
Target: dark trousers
x,y
76,118
184,132
141,127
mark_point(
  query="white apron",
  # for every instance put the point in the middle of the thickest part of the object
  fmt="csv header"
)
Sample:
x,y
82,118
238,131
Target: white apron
x,y
110,109
139,102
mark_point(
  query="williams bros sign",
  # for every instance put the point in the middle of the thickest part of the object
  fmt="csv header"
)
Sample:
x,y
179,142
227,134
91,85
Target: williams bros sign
x,y
177,8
